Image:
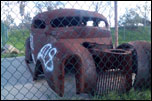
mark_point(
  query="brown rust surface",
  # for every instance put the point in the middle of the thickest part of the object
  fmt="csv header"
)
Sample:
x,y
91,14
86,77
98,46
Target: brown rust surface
x,y
68,42
143,78
114,70
67,13
142,62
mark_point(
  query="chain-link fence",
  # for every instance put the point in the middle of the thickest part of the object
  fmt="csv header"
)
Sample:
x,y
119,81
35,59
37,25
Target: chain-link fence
x,y
65,49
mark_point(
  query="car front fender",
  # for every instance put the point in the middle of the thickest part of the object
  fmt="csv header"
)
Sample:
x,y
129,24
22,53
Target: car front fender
x,y
53,58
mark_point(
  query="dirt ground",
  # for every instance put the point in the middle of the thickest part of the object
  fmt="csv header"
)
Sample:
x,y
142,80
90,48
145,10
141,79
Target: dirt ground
x,y
17,83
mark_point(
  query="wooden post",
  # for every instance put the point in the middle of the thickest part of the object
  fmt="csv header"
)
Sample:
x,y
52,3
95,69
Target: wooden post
x,y
116,24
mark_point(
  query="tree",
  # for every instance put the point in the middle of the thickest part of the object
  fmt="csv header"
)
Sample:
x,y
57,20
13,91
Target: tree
x,y
7,18
104,8
110,11
54,5
27,21
130,18
48,5
26,18
40,7
144,11
97,5
22,7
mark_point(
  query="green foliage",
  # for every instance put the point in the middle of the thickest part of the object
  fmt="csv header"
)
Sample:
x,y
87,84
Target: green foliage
x,y
130,18
131,95
136,16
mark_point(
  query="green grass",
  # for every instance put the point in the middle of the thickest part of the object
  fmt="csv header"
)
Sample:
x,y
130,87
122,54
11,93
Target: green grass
x,y
131,95
17,39
141,33
11,55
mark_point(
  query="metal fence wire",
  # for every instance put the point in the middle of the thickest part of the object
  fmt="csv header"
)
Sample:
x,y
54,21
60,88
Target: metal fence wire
x,y
65,49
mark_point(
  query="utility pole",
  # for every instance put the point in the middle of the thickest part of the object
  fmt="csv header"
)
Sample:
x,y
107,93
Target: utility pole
x,y
116,24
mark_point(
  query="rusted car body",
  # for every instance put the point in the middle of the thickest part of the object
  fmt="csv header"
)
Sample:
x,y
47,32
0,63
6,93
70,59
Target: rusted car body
x,y
141,55
60,39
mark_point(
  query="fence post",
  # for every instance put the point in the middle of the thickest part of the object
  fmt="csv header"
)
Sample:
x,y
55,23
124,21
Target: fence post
x,y
116,24
124,34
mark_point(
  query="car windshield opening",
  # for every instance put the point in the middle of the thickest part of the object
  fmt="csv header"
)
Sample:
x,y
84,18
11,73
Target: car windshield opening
x,y
77,21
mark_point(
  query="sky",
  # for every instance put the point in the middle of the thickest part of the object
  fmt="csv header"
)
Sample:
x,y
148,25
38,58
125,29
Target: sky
x,y
13,9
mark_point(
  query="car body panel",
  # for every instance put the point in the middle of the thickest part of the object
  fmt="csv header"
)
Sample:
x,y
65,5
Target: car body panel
x,y
52,46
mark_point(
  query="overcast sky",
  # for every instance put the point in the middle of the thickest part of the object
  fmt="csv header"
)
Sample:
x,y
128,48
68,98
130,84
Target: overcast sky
x,y
13,9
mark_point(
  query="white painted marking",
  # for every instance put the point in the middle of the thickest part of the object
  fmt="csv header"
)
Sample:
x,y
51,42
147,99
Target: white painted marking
x,y
47,49
32,48
31,42
33,58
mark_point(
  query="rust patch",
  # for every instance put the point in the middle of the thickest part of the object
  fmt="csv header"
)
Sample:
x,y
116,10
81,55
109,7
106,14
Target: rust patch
x,y
142,59
113,68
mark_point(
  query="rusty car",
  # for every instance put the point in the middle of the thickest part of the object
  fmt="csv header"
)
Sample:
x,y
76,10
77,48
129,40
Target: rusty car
x,y
71,39
63,35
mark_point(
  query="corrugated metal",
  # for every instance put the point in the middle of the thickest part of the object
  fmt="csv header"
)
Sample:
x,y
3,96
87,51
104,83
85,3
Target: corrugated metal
x,y
110,81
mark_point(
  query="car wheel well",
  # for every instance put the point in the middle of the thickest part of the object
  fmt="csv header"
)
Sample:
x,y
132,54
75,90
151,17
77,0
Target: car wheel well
x,y
72,64
38,68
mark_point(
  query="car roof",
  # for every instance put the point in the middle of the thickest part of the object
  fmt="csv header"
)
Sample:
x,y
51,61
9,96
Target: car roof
x,y
68,13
